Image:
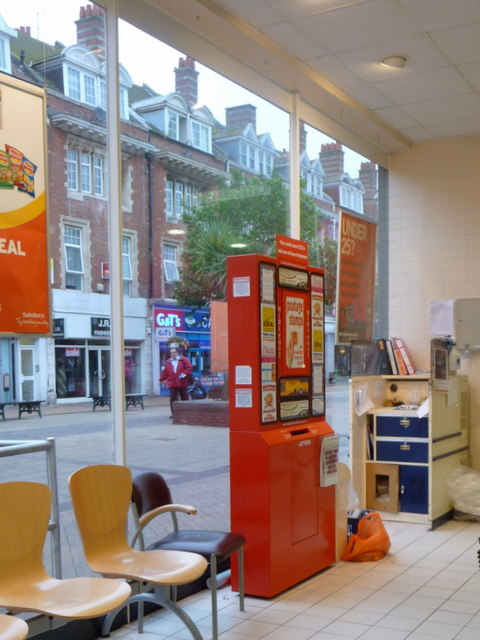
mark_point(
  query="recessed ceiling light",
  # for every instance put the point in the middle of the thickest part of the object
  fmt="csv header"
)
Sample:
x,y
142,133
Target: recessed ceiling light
x,y
396,62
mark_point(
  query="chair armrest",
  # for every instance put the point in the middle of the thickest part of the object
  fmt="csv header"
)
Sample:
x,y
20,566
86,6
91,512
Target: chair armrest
x,y
168,508
144,520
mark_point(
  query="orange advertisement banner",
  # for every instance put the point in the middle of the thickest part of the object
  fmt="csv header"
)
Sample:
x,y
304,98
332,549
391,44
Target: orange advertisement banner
x,y
356,278
24,292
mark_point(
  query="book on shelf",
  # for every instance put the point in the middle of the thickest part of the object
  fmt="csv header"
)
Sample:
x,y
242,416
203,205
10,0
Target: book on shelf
x,y
402,367
404,353
384,366
391,357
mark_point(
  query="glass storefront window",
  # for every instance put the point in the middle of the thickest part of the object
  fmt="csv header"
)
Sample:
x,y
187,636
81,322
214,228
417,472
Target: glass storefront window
x,y
70,372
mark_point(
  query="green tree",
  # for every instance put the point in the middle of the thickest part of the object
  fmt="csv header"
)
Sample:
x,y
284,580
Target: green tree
x,y
328,251
249,211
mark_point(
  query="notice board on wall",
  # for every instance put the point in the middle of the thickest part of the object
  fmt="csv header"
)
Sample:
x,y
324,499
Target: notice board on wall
x,y
25,293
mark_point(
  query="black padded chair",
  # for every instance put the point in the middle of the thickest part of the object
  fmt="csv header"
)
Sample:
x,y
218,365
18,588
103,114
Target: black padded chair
x,y
151,497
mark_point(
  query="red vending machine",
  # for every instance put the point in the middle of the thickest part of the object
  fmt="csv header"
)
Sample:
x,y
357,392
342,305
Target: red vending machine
x,y
283,454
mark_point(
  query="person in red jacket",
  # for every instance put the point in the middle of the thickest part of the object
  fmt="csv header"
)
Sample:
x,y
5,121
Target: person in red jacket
x,y
176,373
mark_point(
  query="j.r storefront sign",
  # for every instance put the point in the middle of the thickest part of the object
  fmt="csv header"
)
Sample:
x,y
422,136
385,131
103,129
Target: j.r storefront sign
x,y
169,321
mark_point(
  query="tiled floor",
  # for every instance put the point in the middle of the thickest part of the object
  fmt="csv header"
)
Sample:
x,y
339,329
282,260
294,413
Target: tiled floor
x,y
427,587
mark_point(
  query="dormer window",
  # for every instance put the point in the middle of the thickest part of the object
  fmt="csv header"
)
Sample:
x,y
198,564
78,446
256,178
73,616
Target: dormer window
x,y
3,54
90,90
201,136
6,33
73,84
175,125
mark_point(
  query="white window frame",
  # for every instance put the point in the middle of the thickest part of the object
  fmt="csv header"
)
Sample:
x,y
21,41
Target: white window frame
x,y
98,174
172,124
251,157
73,247
268,164
85,172
170,263
169,198
195,197
123,103
90,89
5,54
243,153
179,199
201,135
72,170
127,270
74,84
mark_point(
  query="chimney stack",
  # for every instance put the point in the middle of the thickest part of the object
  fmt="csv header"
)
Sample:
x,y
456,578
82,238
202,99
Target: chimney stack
x,y
241,116
186,80
303,137
91,29
331,157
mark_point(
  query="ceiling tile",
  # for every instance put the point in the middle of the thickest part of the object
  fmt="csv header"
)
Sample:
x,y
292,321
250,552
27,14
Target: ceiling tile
x,y
334,70
448,109
471,71
302,8
441,14
418,87
421,53
256,13
368,96
291,40
396,117
360,25
417,133
460,44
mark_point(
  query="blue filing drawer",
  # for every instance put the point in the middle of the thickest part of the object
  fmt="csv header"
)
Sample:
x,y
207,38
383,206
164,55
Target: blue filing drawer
x,y
401,450
402,426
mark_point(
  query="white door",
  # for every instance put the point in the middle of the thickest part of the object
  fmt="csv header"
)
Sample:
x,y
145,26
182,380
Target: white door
x,y
27,372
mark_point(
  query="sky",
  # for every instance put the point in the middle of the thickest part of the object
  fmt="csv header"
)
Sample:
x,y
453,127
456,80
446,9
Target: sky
x,y
52,20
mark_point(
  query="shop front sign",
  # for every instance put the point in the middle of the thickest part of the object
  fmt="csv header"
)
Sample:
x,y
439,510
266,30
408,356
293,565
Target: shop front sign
x,y
100,327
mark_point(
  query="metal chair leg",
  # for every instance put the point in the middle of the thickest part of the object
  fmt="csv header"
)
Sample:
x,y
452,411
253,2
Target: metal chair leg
x,y
241,579
213,589
160,596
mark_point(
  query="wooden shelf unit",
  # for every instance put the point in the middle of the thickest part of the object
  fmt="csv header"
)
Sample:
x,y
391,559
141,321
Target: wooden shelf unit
x,y
399,460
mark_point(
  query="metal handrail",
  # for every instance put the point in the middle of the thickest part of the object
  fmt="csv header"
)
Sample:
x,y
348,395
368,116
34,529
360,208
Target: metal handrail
x,y
18,447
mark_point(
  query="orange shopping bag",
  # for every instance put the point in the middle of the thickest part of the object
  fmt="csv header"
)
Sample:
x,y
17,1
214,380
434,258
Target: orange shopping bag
x,y
370,543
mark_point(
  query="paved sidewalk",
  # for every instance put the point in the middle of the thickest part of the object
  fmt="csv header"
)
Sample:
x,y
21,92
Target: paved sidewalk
x,y
194,459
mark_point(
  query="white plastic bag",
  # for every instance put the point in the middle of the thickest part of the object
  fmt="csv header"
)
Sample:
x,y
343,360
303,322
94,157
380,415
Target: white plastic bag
x,y
464,489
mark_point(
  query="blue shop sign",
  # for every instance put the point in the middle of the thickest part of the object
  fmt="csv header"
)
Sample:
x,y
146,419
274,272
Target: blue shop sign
x,y
180,319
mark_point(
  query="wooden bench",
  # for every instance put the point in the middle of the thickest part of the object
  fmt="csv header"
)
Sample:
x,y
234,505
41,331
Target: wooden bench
x,y
134,400
102,401
24,406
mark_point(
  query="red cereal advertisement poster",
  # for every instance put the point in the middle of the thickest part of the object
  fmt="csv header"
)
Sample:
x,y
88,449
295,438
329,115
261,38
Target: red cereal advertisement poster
x,y
25,292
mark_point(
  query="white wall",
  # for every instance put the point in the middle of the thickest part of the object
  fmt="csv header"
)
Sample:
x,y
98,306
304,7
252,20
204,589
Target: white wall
x,y
434,245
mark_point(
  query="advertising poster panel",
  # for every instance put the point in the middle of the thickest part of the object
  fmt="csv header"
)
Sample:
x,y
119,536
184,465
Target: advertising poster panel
x,y
25,291
356,278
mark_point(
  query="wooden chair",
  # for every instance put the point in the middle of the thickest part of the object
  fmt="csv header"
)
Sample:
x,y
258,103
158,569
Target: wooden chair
x,y
24,583
12,628
101,498
151,497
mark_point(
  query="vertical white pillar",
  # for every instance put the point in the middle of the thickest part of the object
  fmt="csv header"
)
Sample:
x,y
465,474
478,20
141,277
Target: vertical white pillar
x,y
294,168
114,166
